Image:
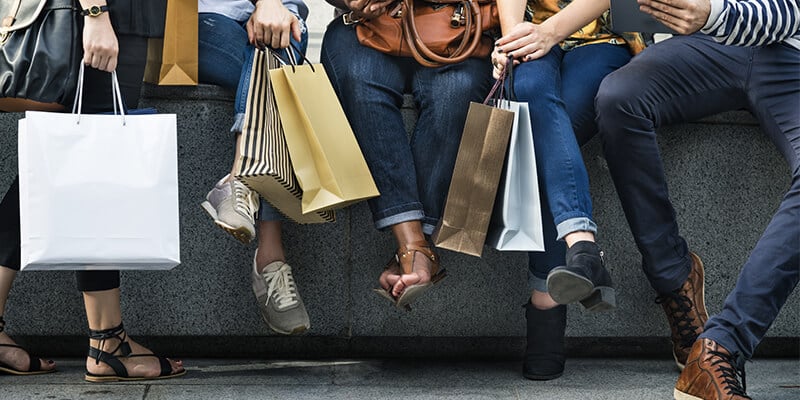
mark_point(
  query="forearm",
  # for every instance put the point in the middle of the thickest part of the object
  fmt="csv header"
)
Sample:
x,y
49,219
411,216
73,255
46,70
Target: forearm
x,y
511,13
752,22
575,16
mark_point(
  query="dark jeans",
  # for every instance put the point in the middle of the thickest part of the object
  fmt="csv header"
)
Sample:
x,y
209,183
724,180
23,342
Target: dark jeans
x,y
412,177
96,99
560,89
682,79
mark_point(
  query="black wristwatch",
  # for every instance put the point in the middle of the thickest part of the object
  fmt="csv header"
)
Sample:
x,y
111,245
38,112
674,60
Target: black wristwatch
x,y
94,11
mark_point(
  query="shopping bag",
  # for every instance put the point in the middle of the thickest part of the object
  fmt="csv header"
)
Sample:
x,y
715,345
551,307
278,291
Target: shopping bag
x,y
172,60
264,164
517,219
476,176
98,191
326,158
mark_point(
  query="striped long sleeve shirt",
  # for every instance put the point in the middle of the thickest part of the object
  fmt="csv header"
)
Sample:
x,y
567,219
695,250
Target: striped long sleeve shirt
x,y
754,22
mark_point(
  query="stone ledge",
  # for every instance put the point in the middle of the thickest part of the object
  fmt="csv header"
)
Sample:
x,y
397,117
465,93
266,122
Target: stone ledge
x,y
336,265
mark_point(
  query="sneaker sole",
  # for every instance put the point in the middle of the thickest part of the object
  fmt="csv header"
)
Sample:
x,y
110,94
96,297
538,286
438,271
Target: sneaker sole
x,y
295,331
241,234
678,395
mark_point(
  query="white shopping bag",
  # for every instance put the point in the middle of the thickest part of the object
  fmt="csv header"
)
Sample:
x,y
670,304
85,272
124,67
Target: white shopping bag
x,y
98,191
517,215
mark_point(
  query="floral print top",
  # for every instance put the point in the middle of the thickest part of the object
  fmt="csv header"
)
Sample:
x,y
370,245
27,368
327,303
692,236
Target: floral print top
x,y
597,31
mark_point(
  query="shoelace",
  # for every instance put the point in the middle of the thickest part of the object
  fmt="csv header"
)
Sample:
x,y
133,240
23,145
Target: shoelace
x,y
245,202
730,374
680,306
281,285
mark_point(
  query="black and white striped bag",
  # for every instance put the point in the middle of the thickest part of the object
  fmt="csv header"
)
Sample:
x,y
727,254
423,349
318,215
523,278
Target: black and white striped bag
x,y
264,164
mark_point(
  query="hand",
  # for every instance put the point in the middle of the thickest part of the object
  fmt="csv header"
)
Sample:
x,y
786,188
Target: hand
x,y
368,9
100,46
682,16
527,41
499,62
273,25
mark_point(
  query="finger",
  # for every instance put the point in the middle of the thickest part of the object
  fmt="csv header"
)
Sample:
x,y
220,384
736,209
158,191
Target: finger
x,y
668,20
297,32
667,12
284,39
251,37
112,63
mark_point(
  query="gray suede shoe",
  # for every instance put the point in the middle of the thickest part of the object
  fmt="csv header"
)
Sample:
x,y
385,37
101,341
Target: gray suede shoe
x,y
233,207
280,303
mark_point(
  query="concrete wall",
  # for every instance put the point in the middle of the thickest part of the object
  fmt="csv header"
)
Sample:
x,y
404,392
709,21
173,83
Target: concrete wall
x,y
725,178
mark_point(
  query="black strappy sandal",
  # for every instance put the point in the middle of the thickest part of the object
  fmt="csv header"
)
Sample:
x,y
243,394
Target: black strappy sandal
x,y
112,359
34,364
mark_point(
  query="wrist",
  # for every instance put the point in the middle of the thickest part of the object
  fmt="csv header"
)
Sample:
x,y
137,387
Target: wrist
x,y
94,10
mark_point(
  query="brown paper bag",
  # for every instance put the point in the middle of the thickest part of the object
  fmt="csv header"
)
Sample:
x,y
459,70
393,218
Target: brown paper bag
x,y
476,176
326,158
173,59
264,164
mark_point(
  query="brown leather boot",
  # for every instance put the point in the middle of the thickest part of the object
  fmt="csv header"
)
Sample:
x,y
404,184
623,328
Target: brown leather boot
x,y
686,312
710,374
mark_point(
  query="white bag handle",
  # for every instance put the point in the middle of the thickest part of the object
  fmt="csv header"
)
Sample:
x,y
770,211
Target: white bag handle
x,y
116,96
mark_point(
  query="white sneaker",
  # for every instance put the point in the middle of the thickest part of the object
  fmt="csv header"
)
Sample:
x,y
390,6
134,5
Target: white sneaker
x,y
233,207
280,303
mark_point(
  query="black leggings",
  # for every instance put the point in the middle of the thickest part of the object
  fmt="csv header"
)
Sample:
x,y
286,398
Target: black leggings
x,y
96,99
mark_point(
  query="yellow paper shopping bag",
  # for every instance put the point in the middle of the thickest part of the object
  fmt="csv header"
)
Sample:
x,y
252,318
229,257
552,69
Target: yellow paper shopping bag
x,y
326,158
173,59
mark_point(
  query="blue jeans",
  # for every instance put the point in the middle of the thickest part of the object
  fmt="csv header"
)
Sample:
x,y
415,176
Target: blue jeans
x,y
682,79
226,59
413,176
560,89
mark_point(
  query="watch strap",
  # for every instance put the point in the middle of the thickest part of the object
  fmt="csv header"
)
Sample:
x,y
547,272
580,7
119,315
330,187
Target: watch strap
x,y
94,11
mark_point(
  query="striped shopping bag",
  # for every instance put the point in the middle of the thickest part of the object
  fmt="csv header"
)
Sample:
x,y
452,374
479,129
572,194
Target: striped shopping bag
x,y
264,164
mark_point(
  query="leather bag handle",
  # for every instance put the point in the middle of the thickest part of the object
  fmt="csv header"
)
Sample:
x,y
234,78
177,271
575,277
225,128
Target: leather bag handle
x,y
426,56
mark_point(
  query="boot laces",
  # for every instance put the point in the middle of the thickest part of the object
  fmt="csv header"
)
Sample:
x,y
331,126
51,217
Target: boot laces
x,y
680,307
730,374
282,286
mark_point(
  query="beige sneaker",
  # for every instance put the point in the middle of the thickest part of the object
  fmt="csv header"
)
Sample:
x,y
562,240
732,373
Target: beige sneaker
x,y
233,207
280,303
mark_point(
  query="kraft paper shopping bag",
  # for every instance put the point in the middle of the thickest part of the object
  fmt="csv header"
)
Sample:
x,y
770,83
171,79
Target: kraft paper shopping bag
x,y
476,176
326,158
172,60
517,220
265,165
98,191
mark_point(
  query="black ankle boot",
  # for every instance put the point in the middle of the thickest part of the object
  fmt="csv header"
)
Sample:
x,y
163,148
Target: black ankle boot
x,y
544,355
583,279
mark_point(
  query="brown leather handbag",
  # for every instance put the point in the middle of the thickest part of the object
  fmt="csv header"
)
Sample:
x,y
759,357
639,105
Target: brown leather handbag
x,y
434,32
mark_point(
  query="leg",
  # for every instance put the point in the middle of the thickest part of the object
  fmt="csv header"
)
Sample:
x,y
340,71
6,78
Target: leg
x,y
773,269
658,87
370,86
112,353
443,96
12,357
564,177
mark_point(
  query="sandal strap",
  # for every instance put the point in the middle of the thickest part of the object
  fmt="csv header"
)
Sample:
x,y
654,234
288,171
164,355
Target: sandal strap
x,y
117,332
166,367
110,359
34,364
409,249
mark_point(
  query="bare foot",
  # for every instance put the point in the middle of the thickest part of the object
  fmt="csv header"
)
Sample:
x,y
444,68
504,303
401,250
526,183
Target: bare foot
x,y
390,275
420,273
147,367
17,358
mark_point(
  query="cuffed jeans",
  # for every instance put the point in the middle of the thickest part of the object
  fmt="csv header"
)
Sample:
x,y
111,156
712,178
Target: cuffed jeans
x,y
560,89
226,59
682,79
413,176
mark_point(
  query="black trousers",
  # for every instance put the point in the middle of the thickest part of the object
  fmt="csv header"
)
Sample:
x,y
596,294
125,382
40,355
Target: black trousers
x,y
96,99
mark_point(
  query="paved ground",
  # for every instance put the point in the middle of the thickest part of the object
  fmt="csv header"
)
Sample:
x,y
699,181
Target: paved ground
x,y
595,379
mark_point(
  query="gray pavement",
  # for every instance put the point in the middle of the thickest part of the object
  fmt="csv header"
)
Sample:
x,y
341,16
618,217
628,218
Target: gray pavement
x,y
768,379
